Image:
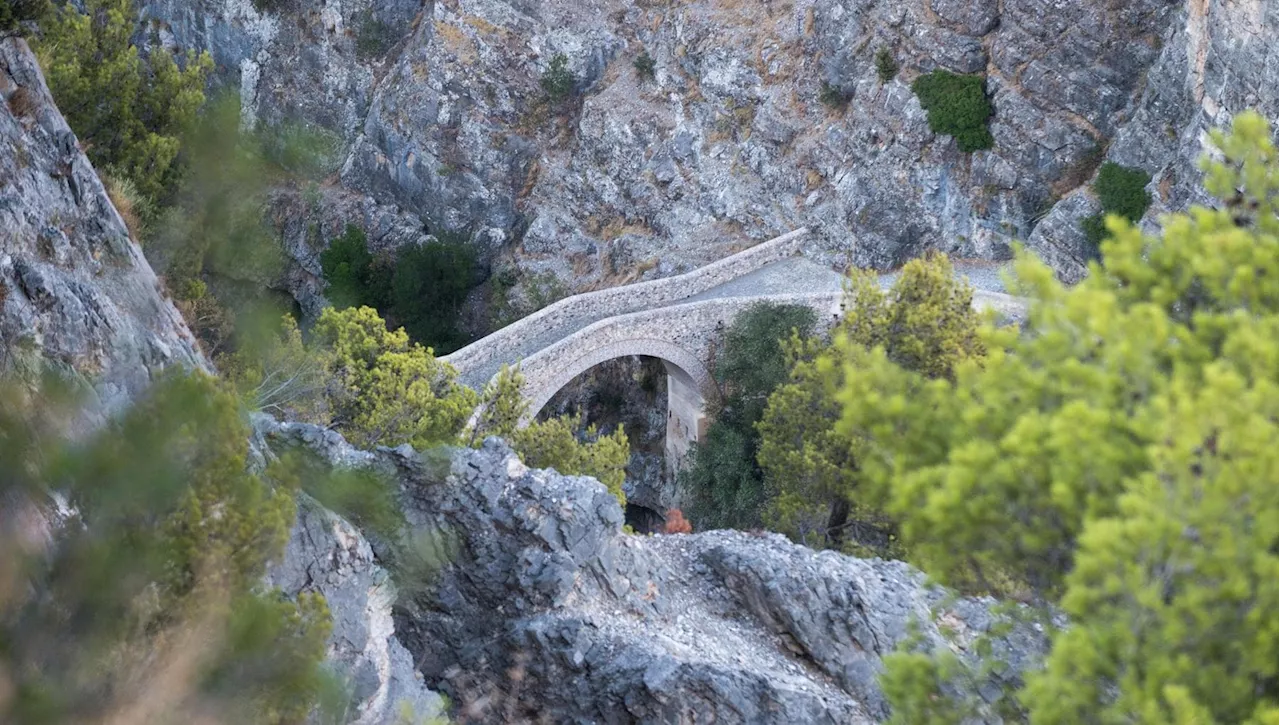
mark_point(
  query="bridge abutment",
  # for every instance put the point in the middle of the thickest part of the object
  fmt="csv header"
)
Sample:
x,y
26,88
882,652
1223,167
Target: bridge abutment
x,y
686,417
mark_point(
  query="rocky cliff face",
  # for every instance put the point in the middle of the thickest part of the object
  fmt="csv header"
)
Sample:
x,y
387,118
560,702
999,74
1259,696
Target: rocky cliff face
x,y
448,128
546,611
77,295
75,290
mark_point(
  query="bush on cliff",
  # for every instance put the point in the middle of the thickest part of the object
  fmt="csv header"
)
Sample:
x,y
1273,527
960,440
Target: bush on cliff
x,y
1116,458
421,287
1122,191
559,443
129,111
957,106
14,13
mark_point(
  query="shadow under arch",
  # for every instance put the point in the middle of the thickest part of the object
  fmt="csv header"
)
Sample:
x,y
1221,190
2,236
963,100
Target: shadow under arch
x,y
689,387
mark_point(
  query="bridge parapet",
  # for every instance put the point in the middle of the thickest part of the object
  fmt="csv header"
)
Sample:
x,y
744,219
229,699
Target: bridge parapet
x,y
682,335
477,362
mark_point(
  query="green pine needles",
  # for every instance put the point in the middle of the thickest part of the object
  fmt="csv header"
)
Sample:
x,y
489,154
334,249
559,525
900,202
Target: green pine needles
x,y
957,106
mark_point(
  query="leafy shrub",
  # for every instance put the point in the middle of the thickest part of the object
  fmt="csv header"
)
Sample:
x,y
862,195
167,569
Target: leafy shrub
x,y
886,66
388,390
1122,191
157,573
346,265
957,106
556,444
559,443
272,6
558,81
833,96
925,323
130,113
645,66
1123,444
428,287
420,287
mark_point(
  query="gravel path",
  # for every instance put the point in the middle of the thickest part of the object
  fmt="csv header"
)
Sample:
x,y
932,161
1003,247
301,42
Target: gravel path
x,y
705,623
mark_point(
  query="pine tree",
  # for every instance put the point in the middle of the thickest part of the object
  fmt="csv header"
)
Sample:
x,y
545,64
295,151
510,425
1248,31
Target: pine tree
x,y
1116,458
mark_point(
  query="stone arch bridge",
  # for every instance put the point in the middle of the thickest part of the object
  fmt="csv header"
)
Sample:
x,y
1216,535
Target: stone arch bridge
x,y
676,319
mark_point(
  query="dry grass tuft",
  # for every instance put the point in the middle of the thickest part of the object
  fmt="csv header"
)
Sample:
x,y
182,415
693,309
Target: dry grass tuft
x,y
125,198
23,103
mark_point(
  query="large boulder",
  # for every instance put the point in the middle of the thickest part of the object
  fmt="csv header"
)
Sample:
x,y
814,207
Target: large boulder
x,y
546,609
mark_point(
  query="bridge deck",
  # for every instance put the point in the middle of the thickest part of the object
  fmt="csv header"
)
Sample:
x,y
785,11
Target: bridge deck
x,y
792,275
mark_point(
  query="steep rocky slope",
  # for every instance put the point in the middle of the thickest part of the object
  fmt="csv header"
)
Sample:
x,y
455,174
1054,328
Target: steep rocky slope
x,y
77,296
75,290
546,611
447,126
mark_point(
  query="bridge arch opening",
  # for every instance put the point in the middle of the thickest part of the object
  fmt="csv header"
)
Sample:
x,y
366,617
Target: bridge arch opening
x,y
628,385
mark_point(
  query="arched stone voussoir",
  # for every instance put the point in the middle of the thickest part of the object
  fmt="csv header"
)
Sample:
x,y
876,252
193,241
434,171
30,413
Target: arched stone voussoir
x,y
681,363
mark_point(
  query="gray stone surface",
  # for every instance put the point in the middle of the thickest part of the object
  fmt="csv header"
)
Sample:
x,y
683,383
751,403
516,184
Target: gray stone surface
x,y
546,610
729,142
326,555
75,290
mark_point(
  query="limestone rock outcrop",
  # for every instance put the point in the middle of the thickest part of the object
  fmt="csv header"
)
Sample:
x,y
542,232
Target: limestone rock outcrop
x,y
75,290
545,609
77,295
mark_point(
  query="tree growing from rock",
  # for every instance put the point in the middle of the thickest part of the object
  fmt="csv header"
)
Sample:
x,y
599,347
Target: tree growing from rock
x,y
130,111
389,390
556,443
1116,458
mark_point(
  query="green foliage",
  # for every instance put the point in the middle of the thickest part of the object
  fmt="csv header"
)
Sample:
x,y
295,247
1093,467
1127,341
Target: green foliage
x,y
275,372
558,82
922,688
501,405
423,288
833,96
428,287
135,128
926,324
555,444
1122,191
347,266
16,12
141,605
214,236
272,6
722,480
1117,457
886,65
389,390
957,106
645,66
752,361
